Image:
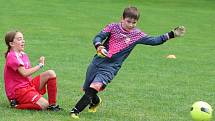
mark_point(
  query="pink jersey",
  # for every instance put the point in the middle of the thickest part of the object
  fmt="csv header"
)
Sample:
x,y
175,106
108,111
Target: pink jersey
x,y
121,39
12,78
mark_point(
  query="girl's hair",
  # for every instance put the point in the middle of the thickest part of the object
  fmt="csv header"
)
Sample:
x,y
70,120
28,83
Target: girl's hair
x,y
9,37
131,12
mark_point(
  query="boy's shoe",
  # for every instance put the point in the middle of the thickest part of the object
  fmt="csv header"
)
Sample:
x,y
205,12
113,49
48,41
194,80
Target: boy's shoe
x,y
54,108
93,107
74,115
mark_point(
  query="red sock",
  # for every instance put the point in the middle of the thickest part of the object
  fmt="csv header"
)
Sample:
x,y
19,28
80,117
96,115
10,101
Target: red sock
x,y
29,106
52,90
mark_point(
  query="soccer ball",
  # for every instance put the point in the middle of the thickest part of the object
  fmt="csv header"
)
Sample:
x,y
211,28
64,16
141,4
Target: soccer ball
x,y
201,111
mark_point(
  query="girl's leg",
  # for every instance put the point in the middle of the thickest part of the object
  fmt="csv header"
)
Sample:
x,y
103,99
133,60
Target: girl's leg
x,y
30,98
41,104
49,78
28,106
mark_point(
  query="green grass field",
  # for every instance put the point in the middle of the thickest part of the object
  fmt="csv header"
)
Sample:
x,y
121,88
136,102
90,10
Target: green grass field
x,y
148,87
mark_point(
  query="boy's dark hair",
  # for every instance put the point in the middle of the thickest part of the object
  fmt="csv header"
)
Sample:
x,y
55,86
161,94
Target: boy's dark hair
x,y
131,12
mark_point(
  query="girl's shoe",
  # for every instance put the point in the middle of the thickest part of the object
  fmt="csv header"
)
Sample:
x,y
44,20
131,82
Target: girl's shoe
x,y
54,108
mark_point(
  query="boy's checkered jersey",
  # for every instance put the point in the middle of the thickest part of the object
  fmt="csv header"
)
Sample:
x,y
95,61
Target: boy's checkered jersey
x,y
119,43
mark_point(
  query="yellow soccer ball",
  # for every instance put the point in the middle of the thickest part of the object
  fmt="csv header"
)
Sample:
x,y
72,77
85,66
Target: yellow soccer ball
x,y
201,111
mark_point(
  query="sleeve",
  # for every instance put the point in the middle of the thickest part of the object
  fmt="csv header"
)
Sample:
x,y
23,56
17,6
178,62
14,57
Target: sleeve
x,y
150,40
99,38
14,63
105,33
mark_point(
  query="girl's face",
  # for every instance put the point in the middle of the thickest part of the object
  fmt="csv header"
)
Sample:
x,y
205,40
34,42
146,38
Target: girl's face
x,y
18,43
128,23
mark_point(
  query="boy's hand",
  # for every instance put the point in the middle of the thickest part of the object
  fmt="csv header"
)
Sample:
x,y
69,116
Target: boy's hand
x,y
179,31
101,51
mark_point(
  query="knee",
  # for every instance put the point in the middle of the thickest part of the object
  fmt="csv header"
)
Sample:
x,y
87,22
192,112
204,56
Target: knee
x,y
44,105
98,86
51,73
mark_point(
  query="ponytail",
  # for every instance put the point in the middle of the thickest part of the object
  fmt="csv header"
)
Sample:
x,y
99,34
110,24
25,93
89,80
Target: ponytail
x,y
8,50
9,38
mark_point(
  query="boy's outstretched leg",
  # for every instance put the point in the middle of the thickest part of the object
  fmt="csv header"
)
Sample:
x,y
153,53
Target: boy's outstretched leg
x,y
95,103
85,100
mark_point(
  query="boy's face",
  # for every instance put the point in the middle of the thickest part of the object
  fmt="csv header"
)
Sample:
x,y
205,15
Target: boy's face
x,y
128,23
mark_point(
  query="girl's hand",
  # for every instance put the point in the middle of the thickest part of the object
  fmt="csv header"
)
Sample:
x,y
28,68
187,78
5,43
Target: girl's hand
x,y
42,60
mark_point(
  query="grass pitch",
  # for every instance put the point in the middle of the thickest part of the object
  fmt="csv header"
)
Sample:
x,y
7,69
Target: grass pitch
x,y
149,87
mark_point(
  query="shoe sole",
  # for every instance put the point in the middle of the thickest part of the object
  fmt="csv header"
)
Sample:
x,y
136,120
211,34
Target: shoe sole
x,y
74,116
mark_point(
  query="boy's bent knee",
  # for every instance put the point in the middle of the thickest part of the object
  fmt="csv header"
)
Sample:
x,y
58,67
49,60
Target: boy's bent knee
x,y
98,86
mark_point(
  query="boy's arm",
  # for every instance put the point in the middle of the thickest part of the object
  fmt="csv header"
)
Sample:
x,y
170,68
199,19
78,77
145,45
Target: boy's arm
x,y
149,40
99,38
98,43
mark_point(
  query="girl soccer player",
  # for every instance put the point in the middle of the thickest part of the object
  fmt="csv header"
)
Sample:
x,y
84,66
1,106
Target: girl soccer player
x,y
114,44
23,91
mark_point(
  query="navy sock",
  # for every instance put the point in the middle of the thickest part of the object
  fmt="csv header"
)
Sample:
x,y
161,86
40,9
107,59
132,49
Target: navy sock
x,y
95,100
85,100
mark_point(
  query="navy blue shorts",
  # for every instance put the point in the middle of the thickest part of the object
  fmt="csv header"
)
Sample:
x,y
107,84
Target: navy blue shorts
x,y
96,73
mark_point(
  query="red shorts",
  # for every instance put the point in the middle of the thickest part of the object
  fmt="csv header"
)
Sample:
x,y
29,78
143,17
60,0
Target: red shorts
x,y
30,94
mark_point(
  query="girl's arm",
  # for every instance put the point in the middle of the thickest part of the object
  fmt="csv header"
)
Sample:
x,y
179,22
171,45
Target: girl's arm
x,y
27,72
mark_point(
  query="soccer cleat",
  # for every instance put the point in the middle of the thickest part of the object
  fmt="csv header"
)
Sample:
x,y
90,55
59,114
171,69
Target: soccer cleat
x,y
54,108
93,107
74,115
13,103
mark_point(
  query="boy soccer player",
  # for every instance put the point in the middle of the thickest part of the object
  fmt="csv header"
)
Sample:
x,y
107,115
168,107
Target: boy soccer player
x,y
114,44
